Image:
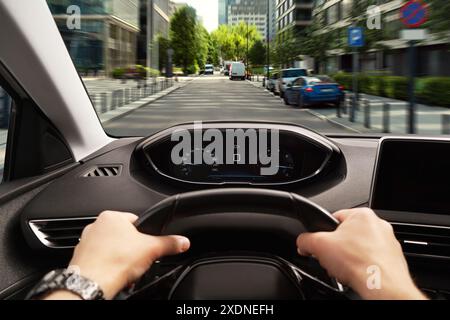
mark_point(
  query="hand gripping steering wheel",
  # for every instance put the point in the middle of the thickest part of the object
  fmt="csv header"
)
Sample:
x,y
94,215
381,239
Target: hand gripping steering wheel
x,y
241,241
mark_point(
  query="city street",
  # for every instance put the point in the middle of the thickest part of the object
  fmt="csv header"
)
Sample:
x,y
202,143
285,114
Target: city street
x,y
215,98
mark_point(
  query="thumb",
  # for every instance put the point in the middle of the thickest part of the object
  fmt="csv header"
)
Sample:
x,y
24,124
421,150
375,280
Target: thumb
x,y
168,245
308,244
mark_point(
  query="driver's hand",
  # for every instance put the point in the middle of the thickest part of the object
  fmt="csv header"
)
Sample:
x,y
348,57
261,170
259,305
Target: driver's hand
x,y
114,254
364,254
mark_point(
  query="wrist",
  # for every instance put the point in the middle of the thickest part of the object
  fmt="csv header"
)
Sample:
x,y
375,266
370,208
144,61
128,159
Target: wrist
x,y
61,295
110,281
389,287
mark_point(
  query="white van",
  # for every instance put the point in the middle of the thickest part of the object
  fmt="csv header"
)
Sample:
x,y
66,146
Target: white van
x,y
237,71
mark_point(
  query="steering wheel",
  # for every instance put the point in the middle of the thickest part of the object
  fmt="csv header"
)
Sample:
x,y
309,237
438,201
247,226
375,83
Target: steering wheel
x,y
242,244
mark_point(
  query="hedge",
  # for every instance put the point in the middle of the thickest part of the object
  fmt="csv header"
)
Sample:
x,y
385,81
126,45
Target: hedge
x,y
429,90
436,91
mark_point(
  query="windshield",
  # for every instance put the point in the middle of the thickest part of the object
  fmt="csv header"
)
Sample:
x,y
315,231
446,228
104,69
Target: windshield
x,y
294,73
148,65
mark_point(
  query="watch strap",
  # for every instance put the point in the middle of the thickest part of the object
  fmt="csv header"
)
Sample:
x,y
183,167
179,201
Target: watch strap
x,y
69,280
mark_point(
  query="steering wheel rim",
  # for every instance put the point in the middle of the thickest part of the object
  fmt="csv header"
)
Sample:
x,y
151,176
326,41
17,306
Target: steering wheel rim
x,y
157,221
314,218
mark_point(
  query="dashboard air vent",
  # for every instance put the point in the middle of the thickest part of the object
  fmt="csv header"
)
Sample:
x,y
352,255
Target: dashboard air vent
x,y
104,171
59,233
423,239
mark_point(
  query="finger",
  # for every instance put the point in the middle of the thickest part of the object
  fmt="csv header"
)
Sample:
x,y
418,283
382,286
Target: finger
x,y
168,245
342,215
129,216
308,244
108,214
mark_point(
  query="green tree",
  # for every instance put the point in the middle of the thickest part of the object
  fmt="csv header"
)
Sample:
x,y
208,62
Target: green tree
x,y
257,53
232,41
202,43
163,46
287,47
213,52
184,38
439,17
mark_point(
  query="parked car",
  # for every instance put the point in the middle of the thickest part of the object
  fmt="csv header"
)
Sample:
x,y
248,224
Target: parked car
x,y
287,76
226,68
237,71
209,69
272,83
305,91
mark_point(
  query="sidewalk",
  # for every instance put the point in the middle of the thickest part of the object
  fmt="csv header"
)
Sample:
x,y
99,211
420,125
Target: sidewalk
x,y
126,109
428,118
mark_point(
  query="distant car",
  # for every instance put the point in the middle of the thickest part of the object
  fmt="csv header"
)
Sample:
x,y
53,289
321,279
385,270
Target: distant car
x,y
287,76
209,69
272,83
237,71
226,68
305,91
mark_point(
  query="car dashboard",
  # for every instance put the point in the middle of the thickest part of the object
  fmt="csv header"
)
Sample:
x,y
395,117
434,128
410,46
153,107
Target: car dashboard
x,y
405,180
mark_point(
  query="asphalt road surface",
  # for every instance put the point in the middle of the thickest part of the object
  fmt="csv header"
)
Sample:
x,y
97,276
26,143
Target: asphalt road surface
x,y
215,98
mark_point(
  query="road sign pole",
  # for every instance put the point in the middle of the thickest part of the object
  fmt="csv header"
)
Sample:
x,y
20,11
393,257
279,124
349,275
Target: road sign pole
x,y
355,84
411,89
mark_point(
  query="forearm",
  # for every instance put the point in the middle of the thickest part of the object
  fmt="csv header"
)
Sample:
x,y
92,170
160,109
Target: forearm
x,y
392,287
62,295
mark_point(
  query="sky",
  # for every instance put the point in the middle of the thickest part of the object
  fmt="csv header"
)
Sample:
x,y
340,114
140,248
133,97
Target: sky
x,y
207,10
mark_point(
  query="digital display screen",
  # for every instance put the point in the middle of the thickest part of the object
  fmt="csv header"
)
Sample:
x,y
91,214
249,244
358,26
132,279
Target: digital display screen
x,y
293,159
414,176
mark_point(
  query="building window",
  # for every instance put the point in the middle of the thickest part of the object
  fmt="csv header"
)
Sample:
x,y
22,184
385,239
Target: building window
x,y
346,8
333,14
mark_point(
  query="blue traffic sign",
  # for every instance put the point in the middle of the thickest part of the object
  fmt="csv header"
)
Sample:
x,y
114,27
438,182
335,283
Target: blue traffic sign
x,y
355,37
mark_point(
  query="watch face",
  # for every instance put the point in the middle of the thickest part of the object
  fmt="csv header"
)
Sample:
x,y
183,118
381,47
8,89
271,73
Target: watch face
x,y
74,282
85,288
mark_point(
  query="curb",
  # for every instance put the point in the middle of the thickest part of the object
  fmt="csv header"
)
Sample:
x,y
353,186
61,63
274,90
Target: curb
x,y
321,116
152,99
316,114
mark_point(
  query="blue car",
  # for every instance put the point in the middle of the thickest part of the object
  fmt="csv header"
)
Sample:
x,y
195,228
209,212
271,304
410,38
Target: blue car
x,y
305,91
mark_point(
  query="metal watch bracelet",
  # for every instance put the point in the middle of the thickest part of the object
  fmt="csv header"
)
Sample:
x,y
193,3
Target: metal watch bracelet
x,y
69,280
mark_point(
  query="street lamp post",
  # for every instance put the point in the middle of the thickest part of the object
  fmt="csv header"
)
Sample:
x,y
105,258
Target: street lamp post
x,y
267,42
246,55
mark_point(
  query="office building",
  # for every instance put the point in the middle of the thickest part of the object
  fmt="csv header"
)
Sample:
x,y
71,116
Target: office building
x,y
293,15
390,53
253,12
223,11
107,35
154,16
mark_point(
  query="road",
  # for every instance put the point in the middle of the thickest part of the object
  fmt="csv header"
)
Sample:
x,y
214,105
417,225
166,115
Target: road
x,y
214,98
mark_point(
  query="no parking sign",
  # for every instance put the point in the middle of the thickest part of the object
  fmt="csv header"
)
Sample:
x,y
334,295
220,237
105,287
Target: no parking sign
x,y
414,13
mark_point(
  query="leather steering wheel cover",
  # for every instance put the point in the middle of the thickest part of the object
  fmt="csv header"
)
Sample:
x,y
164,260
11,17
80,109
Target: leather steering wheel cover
x,y
232,200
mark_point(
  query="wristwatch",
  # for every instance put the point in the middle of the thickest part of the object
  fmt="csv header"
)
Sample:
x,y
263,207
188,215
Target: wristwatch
x,y
69,280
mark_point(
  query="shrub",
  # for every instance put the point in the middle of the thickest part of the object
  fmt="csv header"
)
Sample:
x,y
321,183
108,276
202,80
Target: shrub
x,y
435,91
379,84
118,73
429,90
396,87
344,79
192,69
365,83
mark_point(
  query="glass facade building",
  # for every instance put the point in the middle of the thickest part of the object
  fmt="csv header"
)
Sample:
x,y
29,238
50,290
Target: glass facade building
x,y
154,20
107,35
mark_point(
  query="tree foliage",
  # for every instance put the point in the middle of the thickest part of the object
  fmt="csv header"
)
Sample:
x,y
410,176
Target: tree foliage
x,y
186,39
163,46
439,17
257,53
232,41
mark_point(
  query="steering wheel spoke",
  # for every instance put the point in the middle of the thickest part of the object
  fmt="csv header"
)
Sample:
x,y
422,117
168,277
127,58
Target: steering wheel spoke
x,y
256,265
